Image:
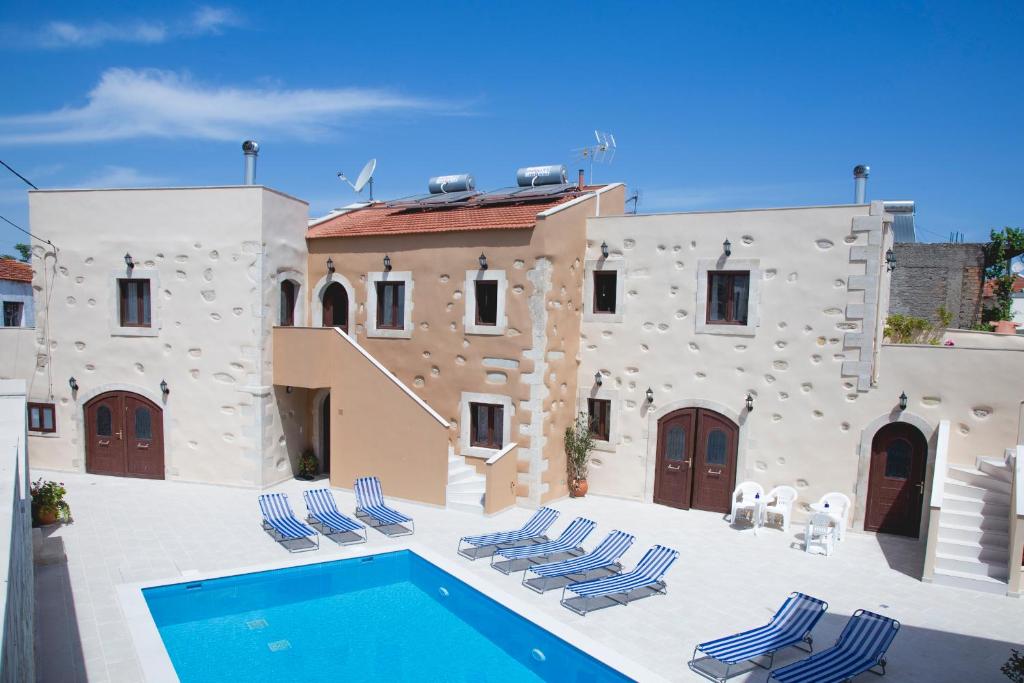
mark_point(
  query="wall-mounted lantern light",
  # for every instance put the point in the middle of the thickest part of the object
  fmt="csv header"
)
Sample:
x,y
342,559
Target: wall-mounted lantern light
x,y
604,249
903,400
330,265
128,261
387,263
727,248
650,395
750,403
483,261
73,383
598,379
890,260
164,389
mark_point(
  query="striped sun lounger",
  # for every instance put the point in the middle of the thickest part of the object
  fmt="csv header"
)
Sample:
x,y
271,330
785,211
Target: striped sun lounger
x,y
790,627
531,532
861,647
605,556
649,573
370,505
283,525
569,542
324,511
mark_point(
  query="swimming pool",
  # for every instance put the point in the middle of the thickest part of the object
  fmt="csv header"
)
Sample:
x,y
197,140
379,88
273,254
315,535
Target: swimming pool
x,y
393,616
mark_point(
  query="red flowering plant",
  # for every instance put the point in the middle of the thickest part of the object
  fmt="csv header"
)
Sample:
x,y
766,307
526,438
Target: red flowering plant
x,y
49,495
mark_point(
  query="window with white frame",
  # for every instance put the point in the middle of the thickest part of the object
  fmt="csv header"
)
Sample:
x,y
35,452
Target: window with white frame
x,y
485,302
600,405
134,311
727,296
603,290
486,424
389,304
14,312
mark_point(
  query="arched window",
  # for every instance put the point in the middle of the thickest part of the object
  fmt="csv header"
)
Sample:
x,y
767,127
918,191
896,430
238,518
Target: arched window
x,y
335,309
289,291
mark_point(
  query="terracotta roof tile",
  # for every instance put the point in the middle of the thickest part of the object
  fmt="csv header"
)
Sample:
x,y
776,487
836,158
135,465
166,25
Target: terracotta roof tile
x,y
380,219
1016,287
15,270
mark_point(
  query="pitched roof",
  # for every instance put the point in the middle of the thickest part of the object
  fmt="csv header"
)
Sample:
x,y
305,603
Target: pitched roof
x,y
1015,288
15,270
381,219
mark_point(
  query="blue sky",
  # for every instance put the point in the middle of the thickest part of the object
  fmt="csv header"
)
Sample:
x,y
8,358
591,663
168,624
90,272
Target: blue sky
x,y
714,105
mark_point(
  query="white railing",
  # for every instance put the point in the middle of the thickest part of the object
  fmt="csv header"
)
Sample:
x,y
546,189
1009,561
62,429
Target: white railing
x,y
941,460
502,453
1015,462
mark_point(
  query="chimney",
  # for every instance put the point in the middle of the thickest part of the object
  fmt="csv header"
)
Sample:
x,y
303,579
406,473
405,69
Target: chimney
x,y
582,181
250,148
860,183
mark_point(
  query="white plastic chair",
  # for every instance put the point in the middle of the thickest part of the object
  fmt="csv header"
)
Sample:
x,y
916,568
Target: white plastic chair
x,y
780,502
743,500
821,530
838,508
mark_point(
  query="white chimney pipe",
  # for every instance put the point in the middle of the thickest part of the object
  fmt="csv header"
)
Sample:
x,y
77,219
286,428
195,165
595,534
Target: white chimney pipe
x,y
251,149
860,183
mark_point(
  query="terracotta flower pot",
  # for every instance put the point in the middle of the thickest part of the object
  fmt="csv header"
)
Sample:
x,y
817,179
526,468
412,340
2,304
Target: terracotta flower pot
x,y
1004,327
47,515
578,488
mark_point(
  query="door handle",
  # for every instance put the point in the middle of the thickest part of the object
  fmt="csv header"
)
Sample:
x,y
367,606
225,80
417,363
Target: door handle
x,y
715,473
142,445
920,487
119,434
675,467
104,442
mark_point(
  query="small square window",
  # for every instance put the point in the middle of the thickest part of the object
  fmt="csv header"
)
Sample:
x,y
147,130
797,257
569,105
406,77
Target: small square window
x,y
605,283
41,417
486,302
391,305
486,425
134,303
599,411
12,313
728,295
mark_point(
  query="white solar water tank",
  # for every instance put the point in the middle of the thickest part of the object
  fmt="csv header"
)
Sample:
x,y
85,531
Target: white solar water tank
x,y
531,176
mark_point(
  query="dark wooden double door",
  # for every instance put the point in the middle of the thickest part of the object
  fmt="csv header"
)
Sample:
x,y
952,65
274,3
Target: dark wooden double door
x,y
696,462
124,436
899,452
335,308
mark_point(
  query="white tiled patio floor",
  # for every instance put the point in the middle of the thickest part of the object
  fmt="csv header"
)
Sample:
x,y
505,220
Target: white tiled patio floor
x,y
135,530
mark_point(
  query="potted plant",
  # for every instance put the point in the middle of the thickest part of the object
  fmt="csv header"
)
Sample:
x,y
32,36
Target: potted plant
x,y
308,465
48,504
579,442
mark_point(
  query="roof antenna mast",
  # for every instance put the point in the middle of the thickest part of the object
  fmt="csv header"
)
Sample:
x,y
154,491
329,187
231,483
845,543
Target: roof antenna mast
x,y
365,178
603,152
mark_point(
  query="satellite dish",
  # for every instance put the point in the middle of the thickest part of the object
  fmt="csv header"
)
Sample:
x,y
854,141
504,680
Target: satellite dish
x,y
1017,267
365,175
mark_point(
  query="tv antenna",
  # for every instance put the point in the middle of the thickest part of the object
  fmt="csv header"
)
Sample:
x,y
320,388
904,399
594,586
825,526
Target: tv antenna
x,y
636,198
603,152
365,178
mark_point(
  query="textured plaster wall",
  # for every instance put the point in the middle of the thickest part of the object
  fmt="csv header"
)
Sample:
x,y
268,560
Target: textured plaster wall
x,y
215,256
822,383
17,352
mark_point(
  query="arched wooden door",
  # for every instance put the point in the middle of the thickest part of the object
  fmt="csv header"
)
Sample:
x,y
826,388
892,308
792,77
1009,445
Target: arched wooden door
x,y
124,436
896,480
335,300
696,460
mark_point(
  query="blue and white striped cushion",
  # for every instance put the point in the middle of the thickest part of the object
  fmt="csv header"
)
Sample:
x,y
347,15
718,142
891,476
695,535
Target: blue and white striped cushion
x,y
370,500
278,514
571,538
605,554
862,643
321,506
384,514
536,526
651,568
795,618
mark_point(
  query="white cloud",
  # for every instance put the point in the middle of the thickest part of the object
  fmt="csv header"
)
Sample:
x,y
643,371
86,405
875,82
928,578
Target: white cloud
x,y
66,34
129,103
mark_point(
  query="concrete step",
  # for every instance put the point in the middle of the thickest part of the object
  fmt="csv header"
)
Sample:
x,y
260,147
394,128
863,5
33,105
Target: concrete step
x,y
475,484
973,534
975,520
953,563
965,490
995,467
969,550
461,473
475,497
475,508
961,504
987,584
975,477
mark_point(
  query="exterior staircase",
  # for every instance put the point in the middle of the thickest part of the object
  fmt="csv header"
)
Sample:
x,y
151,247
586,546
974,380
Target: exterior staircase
x,y
973,538
466,488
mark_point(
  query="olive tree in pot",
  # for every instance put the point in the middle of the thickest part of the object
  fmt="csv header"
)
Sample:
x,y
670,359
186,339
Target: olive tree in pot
x,y
579,442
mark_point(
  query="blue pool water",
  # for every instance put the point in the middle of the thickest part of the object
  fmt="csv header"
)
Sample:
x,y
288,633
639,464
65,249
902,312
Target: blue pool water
x,y
393,617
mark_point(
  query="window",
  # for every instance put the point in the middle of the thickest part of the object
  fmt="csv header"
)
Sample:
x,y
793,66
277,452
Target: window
x,y
897,459
391,305
288,293
605,283
600,411
714,454
41,417
728,293
486,302
12,313
486,425
134,303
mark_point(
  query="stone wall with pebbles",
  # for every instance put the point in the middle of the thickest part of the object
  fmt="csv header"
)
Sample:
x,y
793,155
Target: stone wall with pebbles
x,y
814,364
214,258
